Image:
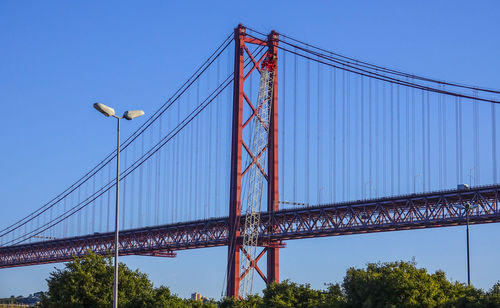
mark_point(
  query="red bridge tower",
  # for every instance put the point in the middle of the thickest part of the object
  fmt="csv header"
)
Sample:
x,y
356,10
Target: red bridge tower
x,y
271,248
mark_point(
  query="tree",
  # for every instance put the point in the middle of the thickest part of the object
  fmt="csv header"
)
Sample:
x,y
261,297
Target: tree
x,y
289,294
334,296
88,282
164,298
492,298
402,284
251,301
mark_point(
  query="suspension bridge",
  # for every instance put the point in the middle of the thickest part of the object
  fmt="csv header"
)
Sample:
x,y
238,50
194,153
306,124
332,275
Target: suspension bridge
x,y
274,139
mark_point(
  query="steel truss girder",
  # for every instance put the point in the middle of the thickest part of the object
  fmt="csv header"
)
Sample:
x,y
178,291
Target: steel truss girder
x,y
427,210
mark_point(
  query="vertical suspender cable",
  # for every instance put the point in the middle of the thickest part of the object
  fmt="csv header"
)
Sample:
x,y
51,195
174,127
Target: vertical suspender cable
x,y
79,216
445,158
376,124
141,171
355,125
362,146
318,121
50,217
182,163
428,144
407,130
384,138
177,162
84,211
334,133
392,140
344,119
307,148
210,203
133,188
158,178
65,224
162,182
457,143
218,132
423,140
413,131
439,140
101,184
494,142
460,149
283,127
330,135
109,199
124,200
149,191
398,134
348,137
92,204
164,186
197,197
210,134
173,163
476,139
156,169
295,129
370,133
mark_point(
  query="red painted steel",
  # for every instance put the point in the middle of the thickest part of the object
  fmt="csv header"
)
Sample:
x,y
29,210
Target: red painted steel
x,y
234,245
273,181
269,59
428,210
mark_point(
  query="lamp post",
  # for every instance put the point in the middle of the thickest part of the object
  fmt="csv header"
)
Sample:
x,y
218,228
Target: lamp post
x,y
467,209
129,115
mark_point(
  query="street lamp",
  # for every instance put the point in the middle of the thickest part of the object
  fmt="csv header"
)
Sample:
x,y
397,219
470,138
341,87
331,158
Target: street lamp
x,y
467,207
129,115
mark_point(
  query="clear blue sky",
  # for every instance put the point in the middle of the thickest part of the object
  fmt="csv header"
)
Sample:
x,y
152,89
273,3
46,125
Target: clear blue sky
x,y
56,58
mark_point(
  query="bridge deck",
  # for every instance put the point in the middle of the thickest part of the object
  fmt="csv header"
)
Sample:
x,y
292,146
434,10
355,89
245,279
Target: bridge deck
x,y
427,210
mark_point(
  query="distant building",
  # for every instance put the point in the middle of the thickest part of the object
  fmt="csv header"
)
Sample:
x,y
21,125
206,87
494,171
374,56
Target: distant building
x,y
198,297
21,301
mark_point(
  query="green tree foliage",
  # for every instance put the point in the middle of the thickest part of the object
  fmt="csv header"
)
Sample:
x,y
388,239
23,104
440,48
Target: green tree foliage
x,y
492,298
88,282
252,301
393,284
289,294
397,284
402,284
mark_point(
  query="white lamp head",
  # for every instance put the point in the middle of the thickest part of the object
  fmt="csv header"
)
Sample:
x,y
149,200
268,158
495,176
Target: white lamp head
x,y
105,110
132,114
